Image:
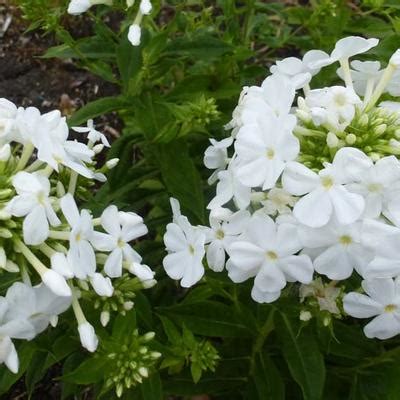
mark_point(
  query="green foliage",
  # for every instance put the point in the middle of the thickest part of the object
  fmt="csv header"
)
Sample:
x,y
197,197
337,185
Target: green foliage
x,y
173,92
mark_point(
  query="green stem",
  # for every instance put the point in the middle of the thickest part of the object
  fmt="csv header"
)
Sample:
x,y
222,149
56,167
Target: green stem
x,y
25,156
31,258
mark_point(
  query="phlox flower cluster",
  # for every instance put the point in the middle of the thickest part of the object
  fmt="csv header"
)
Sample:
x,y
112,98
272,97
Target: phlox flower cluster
x,y
77,7
307,190
55,252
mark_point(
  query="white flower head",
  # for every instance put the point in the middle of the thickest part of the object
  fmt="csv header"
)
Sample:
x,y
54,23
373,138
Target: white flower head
x,y
268,252
382,301
94,135
186,249
134,34
32,202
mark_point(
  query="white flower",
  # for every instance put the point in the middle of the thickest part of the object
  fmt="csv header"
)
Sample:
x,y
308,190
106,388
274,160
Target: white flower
x,y
337,249
382,301
134,34
324,194
229,187
81,255
216,157
263,149
224,229
94,135
346,48
38,305
32,202
121,228
365,76
185,245
268,253
88,336
299,71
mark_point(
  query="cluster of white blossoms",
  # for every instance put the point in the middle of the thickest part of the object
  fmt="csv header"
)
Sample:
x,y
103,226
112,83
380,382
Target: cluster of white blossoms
x,y
53,252
77,7
307,187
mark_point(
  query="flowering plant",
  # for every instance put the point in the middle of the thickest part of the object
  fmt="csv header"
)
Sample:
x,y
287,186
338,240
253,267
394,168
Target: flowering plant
x,y
54,254
307,189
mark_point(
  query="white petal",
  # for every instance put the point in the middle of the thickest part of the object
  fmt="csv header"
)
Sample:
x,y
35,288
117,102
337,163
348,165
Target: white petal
x,y
348,206
334,263
383,327
361,306
36,226
298,179
216,256
110,221
297,268
113,265
314,209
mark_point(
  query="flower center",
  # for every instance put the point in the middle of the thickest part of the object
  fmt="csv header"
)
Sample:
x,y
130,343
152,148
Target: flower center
x,y
271,256
390,308
270,153
121,243
41,197
78,237
220,234
345,240
191,249
327,182
340,99
374,187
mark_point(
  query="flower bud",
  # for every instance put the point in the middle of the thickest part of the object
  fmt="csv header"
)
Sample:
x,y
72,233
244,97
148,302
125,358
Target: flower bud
x,y
11,267
394,143
130,3
148,336
134,34
104,318
77,7
60,190
380,129
128,305
351,138
112,163
303,115
145,7
305,315
88,336
374,157
364,120
144,372
332,140
56,283
102,285
98,148
53,320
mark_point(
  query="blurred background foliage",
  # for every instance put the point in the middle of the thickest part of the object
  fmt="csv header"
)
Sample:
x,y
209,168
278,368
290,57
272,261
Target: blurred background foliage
x,y
172,94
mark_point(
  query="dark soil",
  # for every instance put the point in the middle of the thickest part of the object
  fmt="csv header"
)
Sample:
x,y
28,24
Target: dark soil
x,y
48,84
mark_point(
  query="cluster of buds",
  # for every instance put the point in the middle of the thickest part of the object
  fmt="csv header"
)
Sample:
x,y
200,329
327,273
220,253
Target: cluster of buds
x,y
77,7
57,251
307,192
130,362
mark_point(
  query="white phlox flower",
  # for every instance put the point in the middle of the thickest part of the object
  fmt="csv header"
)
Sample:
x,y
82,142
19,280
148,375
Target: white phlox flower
x,y
216,157
121,228
264,148
93,135
225,228
32,202
382,301
269,253
325,193
186,249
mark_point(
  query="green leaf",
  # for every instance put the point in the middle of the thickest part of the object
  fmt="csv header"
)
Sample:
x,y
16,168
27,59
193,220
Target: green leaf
x,y
208,318
90,371
181,178
302,355
151,388
98,107
266,380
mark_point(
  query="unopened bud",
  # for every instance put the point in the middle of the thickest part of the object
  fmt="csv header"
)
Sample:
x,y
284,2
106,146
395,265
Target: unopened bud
x,y
130,3
332,140
326,320
144,372
305,316
56,283
98,148
364,120
105,318
88,336
380,129
351,138
60,189
303,115
53,320
148,336
128,305
394,143
112,163
374,157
